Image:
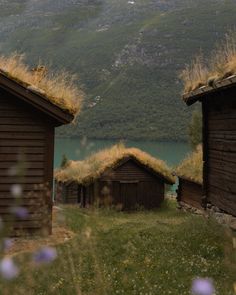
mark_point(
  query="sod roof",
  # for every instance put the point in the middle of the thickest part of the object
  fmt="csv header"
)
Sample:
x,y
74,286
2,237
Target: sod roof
x,y
192,166
93,167
59,89
212,73
198,93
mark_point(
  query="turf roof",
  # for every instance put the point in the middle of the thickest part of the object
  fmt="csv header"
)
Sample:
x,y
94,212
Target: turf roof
x,y
194,95
59,88
192,166
91,168
208,74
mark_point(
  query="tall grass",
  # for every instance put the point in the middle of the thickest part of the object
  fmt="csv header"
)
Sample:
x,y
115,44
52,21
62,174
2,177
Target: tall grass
x,y
223,60
59,88
220,65
194,75
157,253
192,166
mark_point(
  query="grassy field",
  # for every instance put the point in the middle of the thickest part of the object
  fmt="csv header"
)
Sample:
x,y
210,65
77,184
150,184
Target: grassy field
x,y
141,253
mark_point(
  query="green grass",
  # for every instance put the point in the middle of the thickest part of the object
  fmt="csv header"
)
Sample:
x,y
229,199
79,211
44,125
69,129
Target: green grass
x,y
157,252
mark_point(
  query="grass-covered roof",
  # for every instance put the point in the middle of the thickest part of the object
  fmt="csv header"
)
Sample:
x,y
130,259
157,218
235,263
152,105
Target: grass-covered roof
x,y
92,167
207,74
192,166
59,88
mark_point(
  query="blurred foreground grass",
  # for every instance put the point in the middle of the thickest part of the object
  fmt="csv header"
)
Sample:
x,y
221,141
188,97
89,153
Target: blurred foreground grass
x,y
158,252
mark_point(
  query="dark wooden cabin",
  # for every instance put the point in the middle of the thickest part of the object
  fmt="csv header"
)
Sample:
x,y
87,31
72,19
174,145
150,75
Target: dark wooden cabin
x,y
190,193
127,184
190,189
68,193
219,142
27,124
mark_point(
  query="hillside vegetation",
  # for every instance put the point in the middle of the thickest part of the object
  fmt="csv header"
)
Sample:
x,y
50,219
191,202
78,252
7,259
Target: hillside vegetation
x,y
128,56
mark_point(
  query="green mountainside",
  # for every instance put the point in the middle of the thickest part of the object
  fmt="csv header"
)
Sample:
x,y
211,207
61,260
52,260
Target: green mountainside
x,y
127,54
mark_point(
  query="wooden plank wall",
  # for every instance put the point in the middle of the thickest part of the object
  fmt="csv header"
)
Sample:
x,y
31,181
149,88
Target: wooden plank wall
x,y
147,194
190,193
221,151
26,138
72,193
148,191
60,192
129,171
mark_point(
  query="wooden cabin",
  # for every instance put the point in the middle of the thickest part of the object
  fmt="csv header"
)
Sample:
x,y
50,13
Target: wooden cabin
x,y
126,178
190,189
69,192
219,142
27,124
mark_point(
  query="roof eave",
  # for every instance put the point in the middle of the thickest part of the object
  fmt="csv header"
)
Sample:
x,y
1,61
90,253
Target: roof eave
x,y
197,95
151,170
37,100
88,179
184,177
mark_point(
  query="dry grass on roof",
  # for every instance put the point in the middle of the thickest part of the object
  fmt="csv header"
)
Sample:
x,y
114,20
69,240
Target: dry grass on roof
x,y
58,88
206,72
92,167
192,166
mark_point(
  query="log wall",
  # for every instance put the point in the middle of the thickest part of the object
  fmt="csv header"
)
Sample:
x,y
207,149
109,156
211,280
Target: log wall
x,y
129,186
72,193
190,193
220,152
27,142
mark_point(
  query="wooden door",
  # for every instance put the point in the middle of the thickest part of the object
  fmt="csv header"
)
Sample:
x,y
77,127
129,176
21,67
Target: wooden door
x,y
129,195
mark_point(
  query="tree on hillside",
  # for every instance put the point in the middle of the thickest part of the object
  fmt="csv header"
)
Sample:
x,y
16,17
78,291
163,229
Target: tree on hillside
x,y
195,129
64,161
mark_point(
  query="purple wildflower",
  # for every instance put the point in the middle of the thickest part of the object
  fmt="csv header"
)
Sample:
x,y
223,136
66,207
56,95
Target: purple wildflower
x,y
45,255
8,269
7,244
203,287
20,212
16,190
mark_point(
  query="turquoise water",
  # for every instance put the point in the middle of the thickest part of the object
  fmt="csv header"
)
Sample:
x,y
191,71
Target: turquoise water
x,y
77,149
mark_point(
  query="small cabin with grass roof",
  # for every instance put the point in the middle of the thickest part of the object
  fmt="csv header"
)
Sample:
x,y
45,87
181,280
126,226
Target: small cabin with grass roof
x,y
31,106
219,141
126,178
189,172
212,82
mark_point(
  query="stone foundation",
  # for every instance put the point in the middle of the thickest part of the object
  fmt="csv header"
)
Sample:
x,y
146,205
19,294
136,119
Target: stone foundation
x,y
211,211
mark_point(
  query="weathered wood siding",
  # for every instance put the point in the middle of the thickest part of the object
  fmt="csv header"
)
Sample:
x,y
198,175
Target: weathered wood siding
x,y
190,193
131,195
128,171
26,138
72,193
129,186
60,192
220,150
68,193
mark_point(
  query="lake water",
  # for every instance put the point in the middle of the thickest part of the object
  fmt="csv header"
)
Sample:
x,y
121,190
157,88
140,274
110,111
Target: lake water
x,y
77,149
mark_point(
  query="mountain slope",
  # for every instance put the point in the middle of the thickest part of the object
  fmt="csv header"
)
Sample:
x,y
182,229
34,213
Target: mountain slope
x,y
127,53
